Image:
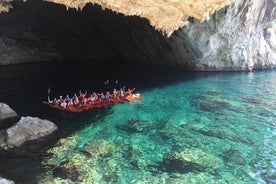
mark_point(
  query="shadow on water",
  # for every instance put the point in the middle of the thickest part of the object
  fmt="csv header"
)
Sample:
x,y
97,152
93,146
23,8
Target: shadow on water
x,y
24,87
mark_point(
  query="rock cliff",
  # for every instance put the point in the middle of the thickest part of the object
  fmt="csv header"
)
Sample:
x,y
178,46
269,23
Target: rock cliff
x,y
240,36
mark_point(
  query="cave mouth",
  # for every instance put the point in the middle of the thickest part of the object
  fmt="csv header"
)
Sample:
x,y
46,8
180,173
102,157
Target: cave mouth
x,y
36,30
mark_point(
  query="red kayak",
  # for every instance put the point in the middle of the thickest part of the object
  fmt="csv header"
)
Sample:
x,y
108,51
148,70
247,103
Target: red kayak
x,y
96,104
89,105
68,109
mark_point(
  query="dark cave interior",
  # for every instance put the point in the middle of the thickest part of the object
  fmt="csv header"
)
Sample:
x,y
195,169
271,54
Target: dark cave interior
x,y
37,30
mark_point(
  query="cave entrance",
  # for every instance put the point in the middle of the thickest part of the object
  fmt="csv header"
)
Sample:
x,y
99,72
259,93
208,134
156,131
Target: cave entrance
x,y
36,30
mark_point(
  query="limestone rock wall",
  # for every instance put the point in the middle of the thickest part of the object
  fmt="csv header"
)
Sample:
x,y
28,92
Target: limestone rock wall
x,y
164,15
239,37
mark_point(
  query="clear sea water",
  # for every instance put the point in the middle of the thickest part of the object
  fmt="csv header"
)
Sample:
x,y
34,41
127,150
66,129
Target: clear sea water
x,y
190,127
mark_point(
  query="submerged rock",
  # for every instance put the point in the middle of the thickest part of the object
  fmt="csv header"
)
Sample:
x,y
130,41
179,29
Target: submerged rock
x,y
209,104
111,177
99,148
28,128
134,156
137,126
234,156
191,160
6,111
191,178
67,170
7,116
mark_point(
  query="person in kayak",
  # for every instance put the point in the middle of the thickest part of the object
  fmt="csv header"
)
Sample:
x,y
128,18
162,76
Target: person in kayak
x,y
70,103
95,96
67,99
90,98
129,91
76,99
60,100
115,94
108,95
121,93
63,104
53,102
82,95
102,96
84,100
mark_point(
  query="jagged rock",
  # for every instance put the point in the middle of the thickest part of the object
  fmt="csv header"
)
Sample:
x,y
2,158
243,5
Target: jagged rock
x,y
5,181
7,116
163,15
239,37
5,5
6,111
28,128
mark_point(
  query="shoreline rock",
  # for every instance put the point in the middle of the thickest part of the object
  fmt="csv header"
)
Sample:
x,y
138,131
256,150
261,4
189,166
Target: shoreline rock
x,y
6,112
26,129
7,116
5,181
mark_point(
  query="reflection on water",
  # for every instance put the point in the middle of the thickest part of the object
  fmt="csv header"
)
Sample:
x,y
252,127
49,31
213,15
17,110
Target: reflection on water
x,y
189,127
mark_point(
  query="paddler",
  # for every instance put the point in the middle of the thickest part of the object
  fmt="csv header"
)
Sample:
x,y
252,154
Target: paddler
x,y
63,104
53,102
67,99
76,99
60,100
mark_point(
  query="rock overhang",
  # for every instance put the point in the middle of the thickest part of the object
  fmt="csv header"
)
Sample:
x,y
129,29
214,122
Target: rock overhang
x,y
164,15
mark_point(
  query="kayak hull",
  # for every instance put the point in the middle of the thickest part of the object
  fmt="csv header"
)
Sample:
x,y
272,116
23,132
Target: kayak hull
x,y
85,107
95,104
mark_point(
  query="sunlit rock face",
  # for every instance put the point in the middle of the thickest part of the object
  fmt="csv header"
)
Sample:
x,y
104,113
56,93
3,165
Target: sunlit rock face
x,y
240,36
5,5
164,15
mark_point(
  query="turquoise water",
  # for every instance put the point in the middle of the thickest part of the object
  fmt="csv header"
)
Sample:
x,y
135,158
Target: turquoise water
x,y
220,128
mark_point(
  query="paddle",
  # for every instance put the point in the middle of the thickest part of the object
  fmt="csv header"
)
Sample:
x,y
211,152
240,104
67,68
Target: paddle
x,y
49,91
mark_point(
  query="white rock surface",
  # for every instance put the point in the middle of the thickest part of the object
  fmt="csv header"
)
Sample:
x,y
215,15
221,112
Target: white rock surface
x,y
240,37
5,181
6,112
28,128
